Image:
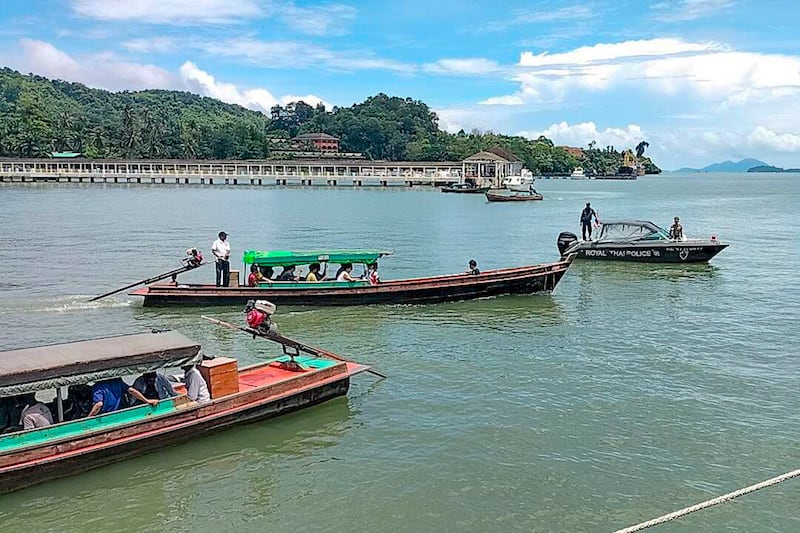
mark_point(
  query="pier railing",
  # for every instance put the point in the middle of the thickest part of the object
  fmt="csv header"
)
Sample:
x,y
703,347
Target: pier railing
x,y
255,173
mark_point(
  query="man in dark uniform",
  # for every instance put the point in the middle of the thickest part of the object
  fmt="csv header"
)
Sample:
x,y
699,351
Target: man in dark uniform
x,y
676,231
586,221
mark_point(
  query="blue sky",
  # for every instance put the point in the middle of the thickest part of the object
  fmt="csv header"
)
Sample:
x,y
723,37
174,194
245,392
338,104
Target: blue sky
x,y
700,80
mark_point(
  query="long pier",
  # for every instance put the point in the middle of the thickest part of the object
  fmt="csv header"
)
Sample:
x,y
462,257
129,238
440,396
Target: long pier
x,y
300,172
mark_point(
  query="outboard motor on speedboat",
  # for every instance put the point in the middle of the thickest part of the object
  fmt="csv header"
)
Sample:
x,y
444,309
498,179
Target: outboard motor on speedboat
x,y
565,240
259,316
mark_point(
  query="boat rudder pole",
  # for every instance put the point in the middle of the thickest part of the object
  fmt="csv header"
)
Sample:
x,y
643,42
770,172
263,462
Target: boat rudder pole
x,y
286,341
189,263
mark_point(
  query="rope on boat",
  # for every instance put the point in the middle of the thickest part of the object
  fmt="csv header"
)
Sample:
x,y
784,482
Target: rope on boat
x,y
708,503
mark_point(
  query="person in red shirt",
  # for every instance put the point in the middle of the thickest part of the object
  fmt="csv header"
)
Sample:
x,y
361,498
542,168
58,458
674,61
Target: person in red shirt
x,y
253,278
372,275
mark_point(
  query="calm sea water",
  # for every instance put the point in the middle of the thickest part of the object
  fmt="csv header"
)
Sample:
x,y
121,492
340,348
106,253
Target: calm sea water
x,y
631,391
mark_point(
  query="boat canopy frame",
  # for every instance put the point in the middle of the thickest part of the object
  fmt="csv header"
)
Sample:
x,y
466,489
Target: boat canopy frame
x,y
631,230
30,370
284,258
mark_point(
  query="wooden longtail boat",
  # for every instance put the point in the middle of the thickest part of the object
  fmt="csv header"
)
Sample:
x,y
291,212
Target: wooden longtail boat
x,y
513,196
238,396
465,188
519,280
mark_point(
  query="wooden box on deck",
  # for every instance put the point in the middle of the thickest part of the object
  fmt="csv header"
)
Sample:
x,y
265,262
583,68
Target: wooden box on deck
x,y
221,375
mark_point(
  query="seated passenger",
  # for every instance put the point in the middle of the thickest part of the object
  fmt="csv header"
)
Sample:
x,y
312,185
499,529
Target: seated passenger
x,y
154,386
265,273
109,395
473,268
288,274
252,279
196,388
372,274
78,402
314,273
35,414
344,273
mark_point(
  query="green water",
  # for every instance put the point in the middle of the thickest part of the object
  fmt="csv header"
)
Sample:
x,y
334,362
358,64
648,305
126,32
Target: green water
x,y
632,391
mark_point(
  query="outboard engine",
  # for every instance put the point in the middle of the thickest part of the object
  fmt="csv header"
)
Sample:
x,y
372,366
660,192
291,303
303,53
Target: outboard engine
x,y
565,240
259,316
193,259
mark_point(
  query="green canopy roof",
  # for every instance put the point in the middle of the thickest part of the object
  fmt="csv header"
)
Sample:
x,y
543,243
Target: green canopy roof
x,y
282,258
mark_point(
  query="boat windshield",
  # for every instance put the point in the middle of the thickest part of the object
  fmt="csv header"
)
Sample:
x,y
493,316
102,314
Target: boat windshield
x,y
632,231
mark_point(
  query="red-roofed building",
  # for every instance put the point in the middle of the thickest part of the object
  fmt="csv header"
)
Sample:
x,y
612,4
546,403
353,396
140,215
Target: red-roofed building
x,y
319,142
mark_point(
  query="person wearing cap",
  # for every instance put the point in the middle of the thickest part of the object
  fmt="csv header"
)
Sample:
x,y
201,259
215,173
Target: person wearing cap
x,y
222,253
676,230
473,269
586,221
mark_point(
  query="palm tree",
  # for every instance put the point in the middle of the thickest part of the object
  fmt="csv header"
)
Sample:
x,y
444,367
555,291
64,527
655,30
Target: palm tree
x,y
592,144
640,148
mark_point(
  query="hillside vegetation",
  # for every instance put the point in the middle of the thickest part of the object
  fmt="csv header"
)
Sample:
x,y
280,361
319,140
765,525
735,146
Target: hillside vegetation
x,y
39,116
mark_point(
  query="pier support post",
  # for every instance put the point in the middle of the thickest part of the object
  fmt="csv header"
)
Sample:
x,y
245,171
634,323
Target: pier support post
x,y
384,183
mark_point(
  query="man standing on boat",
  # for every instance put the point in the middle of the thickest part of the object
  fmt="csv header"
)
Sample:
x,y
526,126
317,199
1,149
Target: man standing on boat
x,y
676,231
222,253
586,221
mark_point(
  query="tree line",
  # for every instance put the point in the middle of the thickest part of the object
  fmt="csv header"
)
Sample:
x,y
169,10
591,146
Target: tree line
x,y
39,116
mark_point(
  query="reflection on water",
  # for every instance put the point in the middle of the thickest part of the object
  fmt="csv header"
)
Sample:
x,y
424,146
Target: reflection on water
x,y
635,272
197,478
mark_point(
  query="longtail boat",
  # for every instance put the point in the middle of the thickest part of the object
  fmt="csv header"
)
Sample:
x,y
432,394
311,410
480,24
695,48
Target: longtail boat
x,y
465,188
452,287
238,395
513,196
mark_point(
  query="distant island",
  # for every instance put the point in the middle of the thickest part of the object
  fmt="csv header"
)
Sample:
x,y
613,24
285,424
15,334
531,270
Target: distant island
x,y
727,166
40,117
770,168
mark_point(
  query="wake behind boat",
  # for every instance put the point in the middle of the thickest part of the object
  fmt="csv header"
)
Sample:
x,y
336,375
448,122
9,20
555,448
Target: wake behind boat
x,y
529,279
639,240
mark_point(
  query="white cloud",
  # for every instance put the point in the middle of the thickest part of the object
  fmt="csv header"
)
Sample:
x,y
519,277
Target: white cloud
x,y
169,11
325,19
614,52
258,99
585,132
147,45
293,54
683,10
565,14
102,70
466,66
710,70
767,139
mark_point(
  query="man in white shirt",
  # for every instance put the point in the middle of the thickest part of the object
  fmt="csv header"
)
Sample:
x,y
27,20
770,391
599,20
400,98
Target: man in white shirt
x,y
222,253
196,388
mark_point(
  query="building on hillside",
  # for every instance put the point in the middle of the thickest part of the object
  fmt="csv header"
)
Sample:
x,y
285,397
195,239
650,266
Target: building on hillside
x,y
317,142
573,151
491,166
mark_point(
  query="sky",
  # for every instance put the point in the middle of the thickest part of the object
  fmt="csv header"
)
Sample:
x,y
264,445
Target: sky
x,y
700,80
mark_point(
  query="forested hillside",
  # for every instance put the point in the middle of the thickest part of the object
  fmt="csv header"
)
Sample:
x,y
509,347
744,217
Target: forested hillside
x,y
39,116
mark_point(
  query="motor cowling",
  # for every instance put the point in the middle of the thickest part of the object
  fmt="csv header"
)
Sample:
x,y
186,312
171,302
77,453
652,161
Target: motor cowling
x,y
565,240
194,258
259,316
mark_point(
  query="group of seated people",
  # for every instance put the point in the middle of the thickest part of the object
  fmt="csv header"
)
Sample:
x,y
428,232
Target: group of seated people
x,y
18,413
315,273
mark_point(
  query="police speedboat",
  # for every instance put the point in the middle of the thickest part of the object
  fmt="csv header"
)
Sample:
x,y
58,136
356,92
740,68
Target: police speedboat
x,y
639,240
